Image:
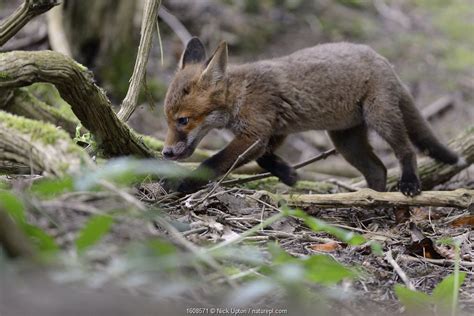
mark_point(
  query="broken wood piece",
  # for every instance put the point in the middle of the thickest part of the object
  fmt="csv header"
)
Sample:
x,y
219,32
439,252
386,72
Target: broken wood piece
x,y
460,198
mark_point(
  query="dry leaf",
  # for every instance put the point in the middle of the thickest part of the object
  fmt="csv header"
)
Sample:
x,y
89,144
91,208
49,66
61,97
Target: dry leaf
x,y
402,214
424,248
467,220
327,247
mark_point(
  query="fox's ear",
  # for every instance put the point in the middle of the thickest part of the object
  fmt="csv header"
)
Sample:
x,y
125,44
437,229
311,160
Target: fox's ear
x,y
193,53
216,66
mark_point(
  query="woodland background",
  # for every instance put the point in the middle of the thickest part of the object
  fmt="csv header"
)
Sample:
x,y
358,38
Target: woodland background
x,y
109,239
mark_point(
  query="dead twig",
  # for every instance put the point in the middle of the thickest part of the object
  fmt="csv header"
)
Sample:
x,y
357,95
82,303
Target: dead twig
x,y
441,262
236,162
260,176
398,270
129,104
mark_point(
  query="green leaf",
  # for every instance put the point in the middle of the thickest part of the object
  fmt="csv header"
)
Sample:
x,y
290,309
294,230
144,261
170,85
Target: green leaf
x,y
93,231
279,256
44,242
443,294
49,188
14,206
162,248
318,268
125,171
318,225
414,301
325,270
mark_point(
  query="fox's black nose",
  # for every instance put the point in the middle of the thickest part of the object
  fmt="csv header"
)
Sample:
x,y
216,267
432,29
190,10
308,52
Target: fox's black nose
x,y
167,152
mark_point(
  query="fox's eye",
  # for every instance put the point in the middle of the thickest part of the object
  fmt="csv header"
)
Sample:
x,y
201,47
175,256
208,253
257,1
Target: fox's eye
x,y
186,90
183,121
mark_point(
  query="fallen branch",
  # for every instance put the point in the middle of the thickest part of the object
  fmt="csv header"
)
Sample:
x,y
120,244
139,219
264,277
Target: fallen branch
x,y
76,86
460,198
437,107
22,15
150,14
178,28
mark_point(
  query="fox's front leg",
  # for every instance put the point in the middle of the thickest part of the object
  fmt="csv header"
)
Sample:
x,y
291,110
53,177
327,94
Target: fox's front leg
x,y
279,168
221,162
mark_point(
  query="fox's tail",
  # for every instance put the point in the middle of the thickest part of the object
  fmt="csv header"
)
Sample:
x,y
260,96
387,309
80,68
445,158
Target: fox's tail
x,y
421,134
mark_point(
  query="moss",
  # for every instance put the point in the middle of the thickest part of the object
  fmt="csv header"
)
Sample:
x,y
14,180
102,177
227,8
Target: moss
x,y
58,114
4,184
151,142
49,94
46,133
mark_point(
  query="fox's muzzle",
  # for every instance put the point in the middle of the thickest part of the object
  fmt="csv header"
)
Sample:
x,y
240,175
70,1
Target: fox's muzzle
x,y
178,151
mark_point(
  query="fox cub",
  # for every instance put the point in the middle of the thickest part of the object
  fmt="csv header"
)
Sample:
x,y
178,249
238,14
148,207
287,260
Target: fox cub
x,y
342,88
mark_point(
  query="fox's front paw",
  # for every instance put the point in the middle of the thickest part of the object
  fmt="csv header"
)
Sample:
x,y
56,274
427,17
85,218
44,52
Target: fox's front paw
x,y
289,177
190,185
410,186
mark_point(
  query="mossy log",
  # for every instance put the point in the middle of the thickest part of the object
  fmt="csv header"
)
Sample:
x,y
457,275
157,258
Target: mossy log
x,y
24,103
460,198
40,147
76,86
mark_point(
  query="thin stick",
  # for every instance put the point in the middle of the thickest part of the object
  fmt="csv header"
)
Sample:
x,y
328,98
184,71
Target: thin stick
x,y
441,262
236,162
248,232
264,175
175,25
398,269
129,104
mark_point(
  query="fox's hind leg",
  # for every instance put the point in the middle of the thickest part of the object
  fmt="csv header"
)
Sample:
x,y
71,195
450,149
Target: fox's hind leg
x,y
353,145
275,164
382,113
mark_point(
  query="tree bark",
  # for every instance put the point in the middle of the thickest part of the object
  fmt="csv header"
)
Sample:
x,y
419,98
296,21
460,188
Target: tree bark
x,y
102,36
76,86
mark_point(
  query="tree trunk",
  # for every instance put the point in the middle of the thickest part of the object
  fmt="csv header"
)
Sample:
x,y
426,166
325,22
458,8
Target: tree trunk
x,y
101,35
